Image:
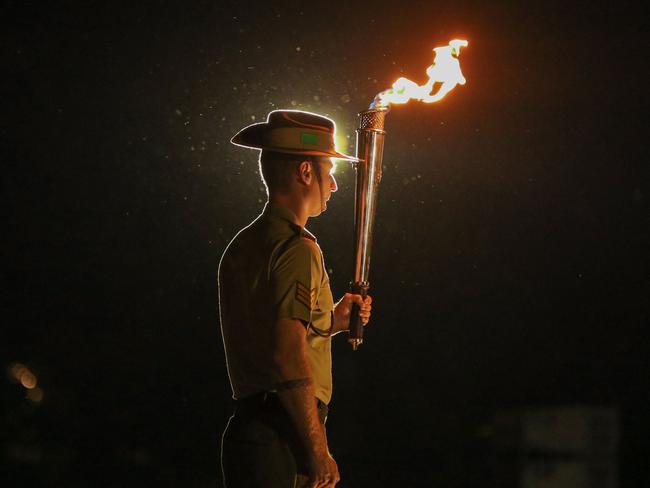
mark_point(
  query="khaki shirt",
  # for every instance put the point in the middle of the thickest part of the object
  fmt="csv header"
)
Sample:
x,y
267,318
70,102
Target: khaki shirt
x,y
273,270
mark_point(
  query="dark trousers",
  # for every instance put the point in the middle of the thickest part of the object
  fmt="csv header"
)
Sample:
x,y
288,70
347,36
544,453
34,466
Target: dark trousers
x,y
260,448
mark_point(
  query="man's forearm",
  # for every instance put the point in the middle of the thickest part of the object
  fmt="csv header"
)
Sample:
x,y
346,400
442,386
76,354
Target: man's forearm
x,y
300,404
340,318
298,399
296,390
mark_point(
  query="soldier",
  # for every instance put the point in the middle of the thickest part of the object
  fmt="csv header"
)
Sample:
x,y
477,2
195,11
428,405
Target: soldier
x,y
278,315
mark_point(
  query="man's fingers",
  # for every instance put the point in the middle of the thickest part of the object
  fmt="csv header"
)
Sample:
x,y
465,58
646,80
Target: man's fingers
x,y
359,300
364,307
323,483
354,298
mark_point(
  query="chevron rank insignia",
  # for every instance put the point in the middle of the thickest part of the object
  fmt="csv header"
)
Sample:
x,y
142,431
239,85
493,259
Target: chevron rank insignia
x,y
305,296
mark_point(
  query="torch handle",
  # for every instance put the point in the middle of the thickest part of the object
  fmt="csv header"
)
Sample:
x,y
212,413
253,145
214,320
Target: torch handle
x,y
355,337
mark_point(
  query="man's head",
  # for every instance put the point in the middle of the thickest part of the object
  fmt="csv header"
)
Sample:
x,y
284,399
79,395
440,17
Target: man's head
x,y
308,177
296,158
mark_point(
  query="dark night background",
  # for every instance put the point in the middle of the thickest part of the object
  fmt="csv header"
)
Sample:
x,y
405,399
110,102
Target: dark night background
x,y
510,268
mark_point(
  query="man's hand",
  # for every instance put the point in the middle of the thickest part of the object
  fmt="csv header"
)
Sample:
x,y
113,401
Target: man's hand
x,y
323,473
343,309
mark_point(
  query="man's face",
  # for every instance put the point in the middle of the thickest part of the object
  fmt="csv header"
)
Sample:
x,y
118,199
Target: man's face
x,y
327,186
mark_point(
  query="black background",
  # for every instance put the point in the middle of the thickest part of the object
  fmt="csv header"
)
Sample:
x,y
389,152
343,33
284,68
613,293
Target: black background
x,y
510,264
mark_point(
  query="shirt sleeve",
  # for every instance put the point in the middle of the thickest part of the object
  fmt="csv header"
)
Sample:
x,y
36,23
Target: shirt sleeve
x,y
295,280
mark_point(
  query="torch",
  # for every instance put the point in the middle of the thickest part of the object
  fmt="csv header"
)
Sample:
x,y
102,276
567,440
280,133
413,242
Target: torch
x,y
444,74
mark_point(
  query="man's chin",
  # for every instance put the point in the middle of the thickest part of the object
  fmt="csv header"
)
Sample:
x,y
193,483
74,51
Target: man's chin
x,y
318,212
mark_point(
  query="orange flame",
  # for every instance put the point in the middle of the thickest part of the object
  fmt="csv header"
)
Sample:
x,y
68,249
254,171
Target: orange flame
x,y
445,70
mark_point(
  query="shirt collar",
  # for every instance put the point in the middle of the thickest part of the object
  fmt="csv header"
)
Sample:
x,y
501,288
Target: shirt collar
x,y
280,212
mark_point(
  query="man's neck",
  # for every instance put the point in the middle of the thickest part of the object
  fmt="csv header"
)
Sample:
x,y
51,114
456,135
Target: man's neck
x,y
293,204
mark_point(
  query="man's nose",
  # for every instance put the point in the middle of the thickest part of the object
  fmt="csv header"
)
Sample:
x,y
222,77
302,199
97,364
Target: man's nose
x,y
333,185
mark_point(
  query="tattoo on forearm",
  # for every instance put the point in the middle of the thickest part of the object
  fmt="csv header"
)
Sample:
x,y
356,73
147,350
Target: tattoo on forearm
x,y
292,384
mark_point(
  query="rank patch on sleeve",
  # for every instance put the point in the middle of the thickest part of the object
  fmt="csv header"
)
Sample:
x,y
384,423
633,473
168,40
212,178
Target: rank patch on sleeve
x,y
305,296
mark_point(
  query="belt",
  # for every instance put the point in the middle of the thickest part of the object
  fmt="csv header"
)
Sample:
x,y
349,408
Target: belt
x,y
269,402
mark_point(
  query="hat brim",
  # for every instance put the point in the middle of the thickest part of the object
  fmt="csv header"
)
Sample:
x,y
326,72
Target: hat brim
x,y
251,137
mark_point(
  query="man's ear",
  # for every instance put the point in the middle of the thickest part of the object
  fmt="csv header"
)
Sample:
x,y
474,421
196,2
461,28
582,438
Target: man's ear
x,y
305,172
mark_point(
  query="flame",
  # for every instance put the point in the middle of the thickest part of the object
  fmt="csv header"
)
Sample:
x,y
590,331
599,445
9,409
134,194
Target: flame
x,y
445,70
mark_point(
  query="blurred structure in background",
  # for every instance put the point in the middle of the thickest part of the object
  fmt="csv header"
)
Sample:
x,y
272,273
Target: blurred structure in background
x,y
19,373
555,447
21,453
